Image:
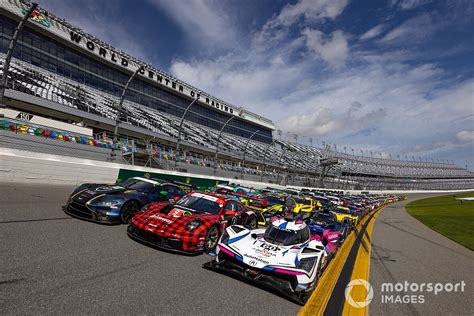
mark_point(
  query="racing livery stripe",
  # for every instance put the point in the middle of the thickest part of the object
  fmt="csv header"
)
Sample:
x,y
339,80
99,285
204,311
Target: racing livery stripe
x,y
232,240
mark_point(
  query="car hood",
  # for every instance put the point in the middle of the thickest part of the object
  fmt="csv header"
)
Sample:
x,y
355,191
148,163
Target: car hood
x,y
259,253
95,190
170,217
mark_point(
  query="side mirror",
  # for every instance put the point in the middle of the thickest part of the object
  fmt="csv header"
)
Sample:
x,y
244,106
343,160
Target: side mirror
x,y
254,236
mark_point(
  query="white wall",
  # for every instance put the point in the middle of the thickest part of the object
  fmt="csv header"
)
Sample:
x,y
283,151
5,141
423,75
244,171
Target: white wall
x,y
30,167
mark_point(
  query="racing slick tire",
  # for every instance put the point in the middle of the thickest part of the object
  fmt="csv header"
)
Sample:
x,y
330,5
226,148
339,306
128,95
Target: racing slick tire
x,y
211,240
253,223
128,210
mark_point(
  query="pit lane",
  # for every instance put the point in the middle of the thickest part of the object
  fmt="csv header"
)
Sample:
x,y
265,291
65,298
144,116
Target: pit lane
x,y
54,264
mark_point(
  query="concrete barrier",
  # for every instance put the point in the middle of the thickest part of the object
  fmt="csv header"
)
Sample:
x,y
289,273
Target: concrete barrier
x,y
21,166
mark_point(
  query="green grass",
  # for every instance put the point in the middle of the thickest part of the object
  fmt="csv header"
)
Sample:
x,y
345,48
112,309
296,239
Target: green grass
x,y
447,216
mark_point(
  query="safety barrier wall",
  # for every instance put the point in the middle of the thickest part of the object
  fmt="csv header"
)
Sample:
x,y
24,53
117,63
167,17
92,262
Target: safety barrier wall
x,y
21,166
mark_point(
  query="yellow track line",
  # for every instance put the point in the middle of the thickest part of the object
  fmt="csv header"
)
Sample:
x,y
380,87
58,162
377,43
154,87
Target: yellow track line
x,y
361,271
316,304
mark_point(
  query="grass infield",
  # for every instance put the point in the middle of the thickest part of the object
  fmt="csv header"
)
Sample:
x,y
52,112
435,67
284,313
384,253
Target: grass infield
x,y
448,216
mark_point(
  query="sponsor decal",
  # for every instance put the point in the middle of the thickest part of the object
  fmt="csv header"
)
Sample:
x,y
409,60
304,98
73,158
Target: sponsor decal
x,y
250,256
38,17
24,116
205,196
163,219
252,262
176,213
269,247
265,252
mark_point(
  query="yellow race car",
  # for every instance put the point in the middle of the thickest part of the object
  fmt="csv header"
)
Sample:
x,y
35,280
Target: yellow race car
x,y
304,206
343,215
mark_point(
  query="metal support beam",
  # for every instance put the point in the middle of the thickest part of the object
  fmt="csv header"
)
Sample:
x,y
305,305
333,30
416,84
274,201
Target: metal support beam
x,y
265,157
119,112
245,151
180,127
11,48
218,141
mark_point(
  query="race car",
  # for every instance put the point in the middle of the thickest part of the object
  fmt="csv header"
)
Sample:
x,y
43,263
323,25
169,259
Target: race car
x,y
282,257
117,203
328,220
344,215
304,207
328,235
193,224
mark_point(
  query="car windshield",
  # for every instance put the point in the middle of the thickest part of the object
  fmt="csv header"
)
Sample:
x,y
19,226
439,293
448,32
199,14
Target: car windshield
x,y
137,184
284,237
304,201
199,204
342,211
273,200
325,216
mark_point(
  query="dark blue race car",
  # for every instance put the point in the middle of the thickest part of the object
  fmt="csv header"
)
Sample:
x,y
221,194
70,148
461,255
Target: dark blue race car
x,y
119,202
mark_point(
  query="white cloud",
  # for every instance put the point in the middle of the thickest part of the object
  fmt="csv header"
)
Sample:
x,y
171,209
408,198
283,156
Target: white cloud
x,y
311,10
408,4
333,48
304,11
318,123
207,24
414,30
373,32
465,136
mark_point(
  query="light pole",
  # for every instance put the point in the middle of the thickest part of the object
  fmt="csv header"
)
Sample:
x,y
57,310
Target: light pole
x,y
119,111
217,145
179,130
245,151
11,48
264,157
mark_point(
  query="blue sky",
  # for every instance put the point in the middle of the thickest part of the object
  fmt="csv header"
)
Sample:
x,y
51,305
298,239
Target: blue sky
x,y
392,77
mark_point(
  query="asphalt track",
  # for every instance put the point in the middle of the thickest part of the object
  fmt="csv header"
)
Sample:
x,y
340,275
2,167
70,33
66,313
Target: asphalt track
x,y
53,264
403,249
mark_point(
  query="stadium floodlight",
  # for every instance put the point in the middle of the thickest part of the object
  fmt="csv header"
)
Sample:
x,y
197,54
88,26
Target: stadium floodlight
x,y
245,151
11,48
180,129
217,145
119,112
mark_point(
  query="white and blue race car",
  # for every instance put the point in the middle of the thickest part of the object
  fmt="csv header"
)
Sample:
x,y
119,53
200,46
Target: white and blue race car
x,y
283,257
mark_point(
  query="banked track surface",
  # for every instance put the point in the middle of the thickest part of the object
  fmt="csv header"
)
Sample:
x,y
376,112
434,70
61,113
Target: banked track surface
x,y
404,249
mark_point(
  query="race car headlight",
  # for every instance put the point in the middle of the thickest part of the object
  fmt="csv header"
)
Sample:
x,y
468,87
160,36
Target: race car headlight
x,y
143,209
108,203
193,224
225,237
307,264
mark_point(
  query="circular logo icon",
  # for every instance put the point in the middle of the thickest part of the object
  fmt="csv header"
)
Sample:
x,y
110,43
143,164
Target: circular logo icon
x,y
368,298
253,263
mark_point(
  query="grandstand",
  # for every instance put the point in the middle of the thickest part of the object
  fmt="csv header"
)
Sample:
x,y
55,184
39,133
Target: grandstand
x,y
60,72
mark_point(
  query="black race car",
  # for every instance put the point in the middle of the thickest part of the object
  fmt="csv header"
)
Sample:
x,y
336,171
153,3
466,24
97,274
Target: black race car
x,y
117,203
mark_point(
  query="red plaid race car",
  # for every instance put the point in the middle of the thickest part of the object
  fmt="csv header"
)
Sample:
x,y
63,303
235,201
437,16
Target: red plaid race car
x,y
192,224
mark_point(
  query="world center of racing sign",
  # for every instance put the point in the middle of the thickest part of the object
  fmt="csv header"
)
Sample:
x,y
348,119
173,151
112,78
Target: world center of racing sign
x,y
67,32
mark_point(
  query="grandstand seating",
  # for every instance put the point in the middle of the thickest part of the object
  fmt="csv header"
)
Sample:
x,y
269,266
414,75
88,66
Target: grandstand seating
x,y
296,159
